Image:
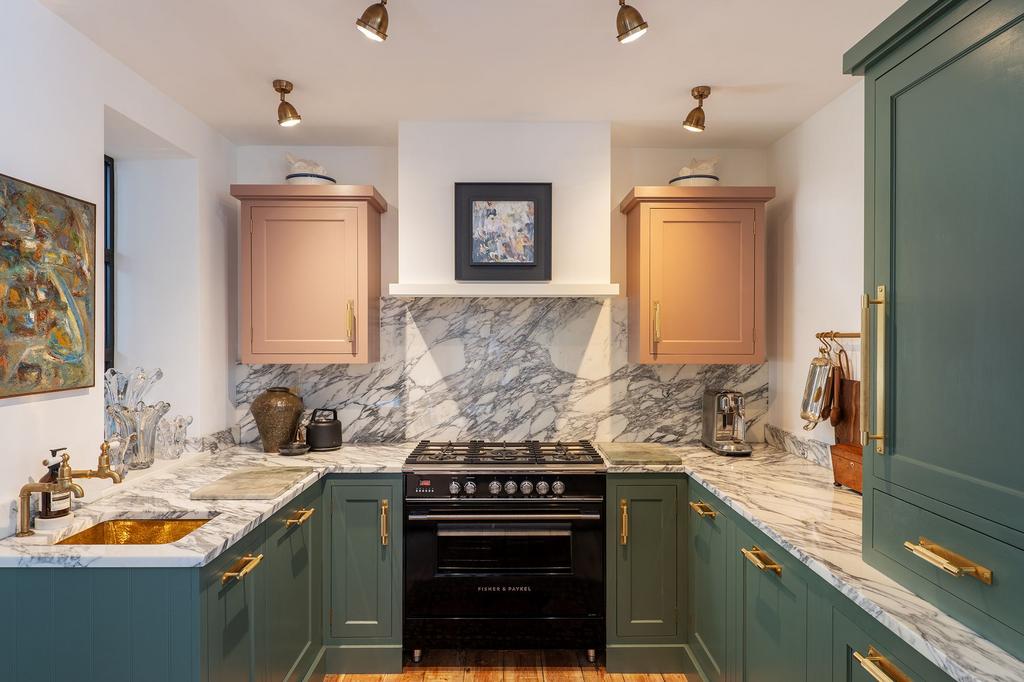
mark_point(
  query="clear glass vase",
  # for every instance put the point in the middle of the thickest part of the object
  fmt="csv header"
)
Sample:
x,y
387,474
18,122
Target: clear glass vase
x,y
140,421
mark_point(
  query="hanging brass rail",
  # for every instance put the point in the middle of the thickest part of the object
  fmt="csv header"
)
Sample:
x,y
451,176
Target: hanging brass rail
x,y
837,335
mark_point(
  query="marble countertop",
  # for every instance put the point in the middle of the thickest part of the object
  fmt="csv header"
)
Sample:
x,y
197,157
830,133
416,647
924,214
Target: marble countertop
x,y
165,494
793,501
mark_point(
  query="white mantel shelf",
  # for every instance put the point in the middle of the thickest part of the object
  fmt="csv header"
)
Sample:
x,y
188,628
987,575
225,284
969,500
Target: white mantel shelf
x,y
502,289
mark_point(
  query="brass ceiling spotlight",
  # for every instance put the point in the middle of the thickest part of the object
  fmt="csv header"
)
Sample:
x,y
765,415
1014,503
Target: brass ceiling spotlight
x,y
629,23
374,22
694,121
287,116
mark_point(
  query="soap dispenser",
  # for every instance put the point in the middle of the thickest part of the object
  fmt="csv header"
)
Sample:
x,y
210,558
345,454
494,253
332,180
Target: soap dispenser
x,y
54,505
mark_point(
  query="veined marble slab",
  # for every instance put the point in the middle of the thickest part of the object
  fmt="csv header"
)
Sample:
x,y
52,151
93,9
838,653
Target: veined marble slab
x,y
252,483
792,500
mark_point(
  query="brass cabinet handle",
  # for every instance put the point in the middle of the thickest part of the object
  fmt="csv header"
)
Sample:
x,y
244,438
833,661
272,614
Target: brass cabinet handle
x,y
657,322
351,321
879,667
865,370
301,516
703,509
384,523
947,560
242,568
624,522
760,558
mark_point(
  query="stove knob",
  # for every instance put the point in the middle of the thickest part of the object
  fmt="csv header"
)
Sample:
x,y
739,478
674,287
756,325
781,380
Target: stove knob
x,y
558,487
454,487
494,487
526,487
511,488
543,487
470,488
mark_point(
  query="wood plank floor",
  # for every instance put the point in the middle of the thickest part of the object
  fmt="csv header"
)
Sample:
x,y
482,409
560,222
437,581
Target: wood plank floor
x,y
507,666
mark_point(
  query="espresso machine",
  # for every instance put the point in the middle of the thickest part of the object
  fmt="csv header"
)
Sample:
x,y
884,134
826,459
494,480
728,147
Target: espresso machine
x,y
725,424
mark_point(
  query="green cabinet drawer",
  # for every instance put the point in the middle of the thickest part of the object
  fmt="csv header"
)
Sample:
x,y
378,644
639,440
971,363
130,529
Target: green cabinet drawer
x,y
771,614
856,657
996,608
708,556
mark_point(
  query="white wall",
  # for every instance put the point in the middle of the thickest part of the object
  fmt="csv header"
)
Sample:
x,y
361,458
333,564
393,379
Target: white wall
x,y
55,138
816,248
376,166
574,157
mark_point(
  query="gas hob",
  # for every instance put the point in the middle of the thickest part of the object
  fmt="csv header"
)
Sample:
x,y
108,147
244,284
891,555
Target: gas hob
x,y
579,456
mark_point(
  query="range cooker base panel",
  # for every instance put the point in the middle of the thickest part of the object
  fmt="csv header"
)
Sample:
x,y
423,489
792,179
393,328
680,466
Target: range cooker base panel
x,y
504,633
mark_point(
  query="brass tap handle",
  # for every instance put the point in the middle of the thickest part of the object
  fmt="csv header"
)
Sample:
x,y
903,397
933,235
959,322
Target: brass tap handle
x,y
350,324
879,667
242,568
624,522
865,370
948,561
760,558
703,509
657,322
384,523
301,516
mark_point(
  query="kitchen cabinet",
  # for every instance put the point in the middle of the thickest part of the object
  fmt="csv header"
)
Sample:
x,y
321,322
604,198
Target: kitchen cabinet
x,y
856,657
309,273
709,545
645,577
942,263
363,630
696,274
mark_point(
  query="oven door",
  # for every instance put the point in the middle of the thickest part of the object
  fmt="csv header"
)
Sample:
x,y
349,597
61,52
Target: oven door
x,y
511,559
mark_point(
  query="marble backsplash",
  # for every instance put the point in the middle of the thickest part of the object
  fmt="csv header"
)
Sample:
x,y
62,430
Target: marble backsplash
x,y
507,369
810,449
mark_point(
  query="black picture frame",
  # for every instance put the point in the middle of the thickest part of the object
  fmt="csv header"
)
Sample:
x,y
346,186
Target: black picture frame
x,y
468,192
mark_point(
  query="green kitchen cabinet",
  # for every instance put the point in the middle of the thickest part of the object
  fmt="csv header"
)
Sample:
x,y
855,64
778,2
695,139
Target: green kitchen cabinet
x,y
709,554
944,90
363,580
646,540
856,656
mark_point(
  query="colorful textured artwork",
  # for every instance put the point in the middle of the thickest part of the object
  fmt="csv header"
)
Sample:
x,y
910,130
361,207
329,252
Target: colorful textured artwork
x,y
47,290
503,232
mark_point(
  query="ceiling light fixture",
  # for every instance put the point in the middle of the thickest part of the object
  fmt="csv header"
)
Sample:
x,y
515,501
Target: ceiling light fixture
x,y
287,116
694,121
629,23
374,22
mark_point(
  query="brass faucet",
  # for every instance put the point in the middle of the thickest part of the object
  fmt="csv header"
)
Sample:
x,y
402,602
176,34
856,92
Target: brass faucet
x,y
63,484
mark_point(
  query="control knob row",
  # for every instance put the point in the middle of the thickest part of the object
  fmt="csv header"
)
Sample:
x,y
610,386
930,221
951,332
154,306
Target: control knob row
x,y
454,488
510,488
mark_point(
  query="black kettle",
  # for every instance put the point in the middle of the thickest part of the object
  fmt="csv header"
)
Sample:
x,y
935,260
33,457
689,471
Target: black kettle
x,y
324,430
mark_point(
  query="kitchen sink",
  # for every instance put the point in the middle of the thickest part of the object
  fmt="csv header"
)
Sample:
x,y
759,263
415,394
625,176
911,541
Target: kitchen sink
x,y
134,532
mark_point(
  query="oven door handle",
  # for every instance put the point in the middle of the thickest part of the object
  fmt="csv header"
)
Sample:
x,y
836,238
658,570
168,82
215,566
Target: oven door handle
x,y
504,517
517,533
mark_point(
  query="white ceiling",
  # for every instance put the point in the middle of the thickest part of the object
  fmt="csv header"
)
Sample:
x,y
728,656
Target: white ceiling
x,y
771,64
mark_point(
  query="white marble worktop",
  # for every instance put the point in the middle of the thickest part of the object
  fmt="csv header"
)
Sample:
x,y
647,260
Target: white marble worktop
x,y
793,501
165,494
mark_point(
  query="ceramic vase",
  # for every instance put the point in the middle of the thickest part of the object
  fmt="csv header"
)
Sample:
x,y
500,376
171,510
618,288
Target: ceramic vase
x,y
276,412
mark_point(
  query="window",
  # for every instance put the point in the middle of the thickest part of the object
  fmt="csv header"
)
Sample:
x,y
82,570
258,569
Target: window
x,y
108,262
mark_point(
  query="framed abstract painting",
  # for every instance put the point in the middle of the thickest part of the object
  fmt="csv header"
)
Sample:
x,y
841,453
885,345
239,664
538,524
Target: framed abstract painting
x,y
503,231
47,290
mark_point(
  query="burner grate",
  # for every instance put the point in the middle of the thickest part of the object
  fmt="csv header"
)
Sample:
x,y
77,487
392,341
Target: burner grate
x,y
478,452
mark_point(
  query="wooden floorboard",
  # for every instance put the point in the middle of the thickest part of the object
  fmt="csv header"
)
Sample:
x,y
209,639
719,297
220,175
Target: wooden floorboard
x,y
446,665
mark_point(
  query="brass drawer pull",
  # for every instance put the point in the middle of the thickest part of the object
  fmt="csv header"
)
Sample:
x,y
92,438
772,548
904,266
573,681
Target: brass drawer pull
x,y
242,568
301,516
350,324
878,667
703,509
865,370
948,561
760,558
624,522
384,523
657,322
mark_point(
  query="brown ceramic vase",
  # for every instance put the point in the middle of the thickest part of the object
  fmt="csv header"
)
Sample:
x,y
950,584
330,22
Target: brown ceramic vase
x,y
276,412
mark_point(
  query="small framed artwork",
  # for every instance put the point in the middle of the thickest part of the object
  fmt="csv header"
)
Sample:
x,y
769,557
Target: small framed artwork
x,y
503,231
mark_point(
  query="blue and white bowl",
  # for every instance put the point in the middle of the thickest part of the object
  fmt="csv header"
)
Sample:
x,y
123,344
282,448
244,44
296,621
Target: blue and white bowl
x,y
309,179
699,180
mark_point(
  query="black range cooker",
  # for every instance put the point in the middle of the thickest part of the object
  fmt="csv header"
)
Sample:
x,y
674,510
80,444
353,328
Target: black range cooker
x,y
504,546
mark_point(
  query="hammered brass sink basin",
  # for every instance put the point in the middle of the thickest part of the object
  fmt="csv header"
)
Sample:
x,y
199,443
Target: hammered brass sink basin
x,y
134,532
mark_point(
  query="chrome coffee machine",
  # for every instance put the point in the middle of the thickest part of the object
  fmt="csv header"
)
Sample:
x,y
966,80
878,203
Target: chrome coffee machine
x,y
725,424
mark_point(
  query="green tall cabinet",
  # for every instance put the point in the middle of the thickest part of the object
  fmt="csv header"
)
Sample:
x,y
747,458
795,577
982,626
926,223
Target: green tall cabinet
x,y
944,315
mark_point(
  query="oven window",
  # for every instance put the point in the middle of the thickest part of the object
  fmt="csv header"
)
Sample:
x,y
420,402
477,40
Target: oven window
x,y
504,548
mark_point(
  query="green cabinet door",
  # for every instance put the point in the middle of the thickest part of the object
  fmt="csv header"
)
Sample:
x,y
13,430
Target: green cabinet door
x,y
646,560
770,627
856,658
945,240
708,557
293,589
235,632
366,525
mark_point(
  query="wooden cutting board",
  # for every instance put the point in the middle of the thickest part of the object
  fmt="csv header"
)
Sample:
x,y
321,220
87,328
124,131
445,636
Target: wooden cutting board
x,y
638,453
252,483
